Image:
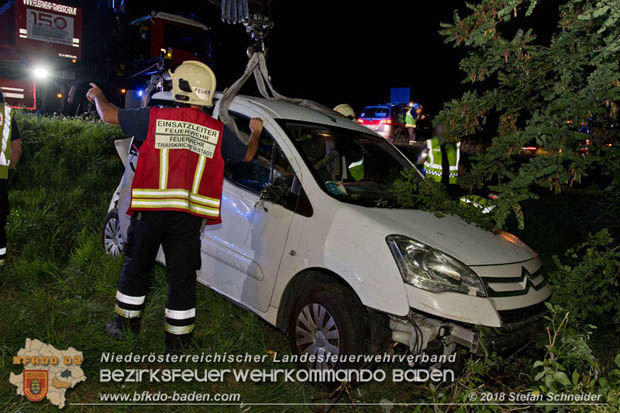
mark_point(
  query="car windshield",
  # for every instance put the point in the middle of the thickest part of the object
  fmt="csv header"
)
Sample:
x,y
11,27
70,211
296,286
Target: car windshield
x,y
375,113
350,165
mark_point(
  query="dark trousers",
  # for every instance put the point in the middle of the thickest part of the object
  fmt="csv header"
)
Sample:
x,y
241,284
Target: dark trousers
x,y
3,243
4,212
179,235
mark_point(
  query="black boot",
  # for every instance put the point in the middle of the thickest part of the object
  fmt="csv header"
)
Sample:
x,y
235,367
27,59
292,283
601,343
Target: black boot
x,y
178,344
121,328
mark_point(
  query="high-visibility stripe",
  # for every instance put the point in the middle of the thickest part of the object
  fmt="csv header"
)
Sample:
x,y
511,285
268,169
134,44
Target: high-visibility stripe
x,y
160,193
200,168
429,145
13,95
163,168
6,135
128,299
127,313
180,315
174,203
175,193
14,89
205,200
178,330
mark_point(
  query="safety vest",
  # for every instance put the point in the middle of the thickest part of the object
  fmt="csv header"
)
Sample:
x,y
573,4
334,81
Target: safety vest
x,y
433,163
5,152
409,120
180,167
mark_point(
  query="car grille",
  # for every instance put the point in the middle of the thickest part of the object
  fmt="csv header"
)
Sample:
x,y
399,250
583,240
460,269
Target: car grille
x,y
513,286
520,315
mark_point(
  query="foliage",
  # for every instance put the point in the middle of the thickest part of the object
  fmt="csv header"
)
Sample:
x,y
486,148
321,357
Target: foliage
x,y
525,92
569,365
411,192
587,283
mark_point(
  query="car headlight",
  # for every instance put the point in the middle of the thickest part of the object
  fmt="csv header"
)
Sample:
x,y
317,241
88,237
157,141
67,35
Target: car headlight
x,y
432,270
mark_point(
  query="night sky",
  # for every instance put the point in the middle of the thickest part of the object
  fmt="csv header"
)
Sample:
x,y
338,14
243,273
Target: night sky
x,y
346,51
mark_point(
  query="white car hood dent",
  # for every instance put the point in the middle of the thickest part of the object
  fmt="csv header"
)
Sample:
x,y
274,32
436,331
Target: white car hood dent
x,y
467,242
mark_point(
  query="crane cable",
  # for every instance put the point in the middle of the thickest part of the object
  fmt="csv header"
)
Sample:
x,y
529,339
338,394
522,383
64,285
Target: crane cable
x,y
257,66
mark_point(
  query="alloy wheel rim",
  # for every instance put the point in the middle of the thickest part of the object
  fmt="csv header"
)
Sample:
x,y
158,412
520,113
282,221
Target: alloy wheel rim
x,y
112,241
316,333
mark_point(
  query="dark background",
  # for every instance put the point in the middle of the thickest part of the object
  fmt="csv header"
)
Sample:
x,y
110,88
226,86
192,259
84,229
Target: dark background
x,y
344,51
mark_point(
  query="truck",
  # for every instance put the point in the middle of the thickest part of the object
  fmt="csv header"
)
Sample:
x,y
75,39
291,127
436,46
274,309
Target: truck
x,y
47,59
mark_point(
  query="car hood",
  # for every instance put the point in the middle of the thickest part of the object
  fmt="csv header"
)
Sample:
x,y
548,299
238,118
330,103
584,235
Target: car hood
x,y
467,242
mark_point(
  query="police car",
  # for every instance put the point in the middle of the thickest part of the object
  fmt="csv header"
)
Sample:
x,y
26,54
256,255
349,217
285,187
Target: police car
x,y
312,242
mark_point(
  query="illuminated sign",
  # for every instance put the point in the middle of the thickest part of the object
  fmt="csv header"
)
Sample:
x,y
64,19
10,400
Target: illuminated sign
x,y
50,27
48,5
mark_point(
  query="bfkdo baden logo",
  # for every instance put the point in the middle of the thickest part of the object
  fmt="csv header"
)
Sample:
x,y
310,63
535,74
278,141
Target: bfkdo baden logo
x,y
48,372
36,384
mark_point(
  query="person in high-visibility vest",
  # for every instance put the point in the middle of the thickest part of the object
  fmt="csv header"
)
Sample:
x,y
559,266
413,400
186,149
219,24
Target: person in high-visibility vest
x,y
442,159
410,120
176,191
10,152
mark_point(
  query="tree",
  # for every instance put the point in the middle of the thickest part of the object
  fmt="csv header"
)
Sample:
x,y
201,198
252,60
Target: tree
x,y
523,92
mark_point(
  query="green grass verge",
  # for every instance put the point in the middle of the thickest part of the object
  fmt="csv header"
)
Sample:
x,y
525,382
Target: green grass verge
x,y
59,285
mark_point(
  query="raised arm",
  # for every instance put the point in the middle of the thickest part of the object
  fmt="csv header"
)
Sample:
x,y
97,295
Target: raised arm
x,y
256,126
106,111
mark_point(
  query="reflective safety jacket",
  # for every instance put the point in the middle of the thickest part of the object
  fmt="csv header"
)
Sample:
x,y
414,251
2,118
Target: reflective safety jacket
x,y
180,167
433,164
409,120
5,150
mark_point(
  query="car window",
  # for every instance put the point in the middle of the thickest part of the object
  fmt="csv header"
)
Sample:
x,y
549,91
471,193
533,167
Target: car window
x,y
375,113
350,165
399,115
269,164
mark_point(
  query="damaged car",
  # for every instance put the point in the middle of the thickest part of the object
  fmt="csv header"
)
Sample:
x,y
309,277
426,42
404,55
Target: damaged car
x,y
313,242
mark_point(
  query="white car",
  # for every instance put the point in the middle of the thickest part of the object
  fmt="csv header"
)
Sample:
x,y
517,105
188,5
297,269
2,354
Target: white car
x,y
312,242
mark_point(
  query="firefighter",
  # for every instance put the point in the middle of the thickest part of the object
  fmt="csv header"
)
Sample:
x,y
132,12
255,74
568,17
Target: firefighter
x,y
345,110
442,159
410,121
11,151
176,191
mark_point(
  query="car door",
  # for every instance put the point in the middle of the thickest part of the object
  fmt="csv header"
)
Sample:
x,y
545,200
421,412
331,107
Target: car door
x,y
241,256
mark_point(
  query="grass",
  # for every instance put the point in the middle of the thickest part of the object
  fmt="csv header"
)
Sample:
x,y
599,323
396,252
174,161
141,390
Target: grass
x,y
59,285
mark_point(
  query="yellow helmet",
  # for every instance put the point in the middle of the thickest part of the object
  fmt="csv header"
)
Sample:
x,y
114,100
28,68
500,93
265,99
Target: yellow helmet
x,y
193,83
345,110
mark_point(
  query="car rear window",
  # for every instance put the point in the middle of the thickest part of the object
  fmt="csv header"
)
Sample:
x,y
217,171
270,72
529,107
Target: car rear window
x,y
375,113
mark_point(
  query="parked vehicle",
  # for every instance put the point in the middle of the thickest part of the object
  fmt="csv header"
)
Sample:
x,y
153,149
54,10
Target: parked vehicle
x,y
387,120
49,53
315,245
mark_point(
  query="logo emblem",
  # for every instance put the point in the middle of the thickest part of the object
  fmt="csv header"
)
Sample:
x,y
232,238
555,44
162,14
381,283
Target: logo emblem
x,y
35,384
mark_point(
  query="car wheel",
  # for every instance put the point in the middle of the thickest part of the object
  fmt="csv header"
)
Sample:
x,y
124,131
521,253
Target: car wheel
x,y
328,319
112,239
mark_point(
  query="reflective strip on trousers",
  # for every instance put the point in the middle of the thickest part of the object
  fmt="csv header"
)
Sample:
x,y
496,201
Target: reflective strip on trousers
x,y
127,313
128,299
180,314
178,330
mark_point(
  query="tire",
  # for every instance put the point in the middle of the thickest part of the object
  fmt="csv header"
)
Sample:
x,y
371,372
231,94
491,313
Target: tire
x,y
342,323
111,235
